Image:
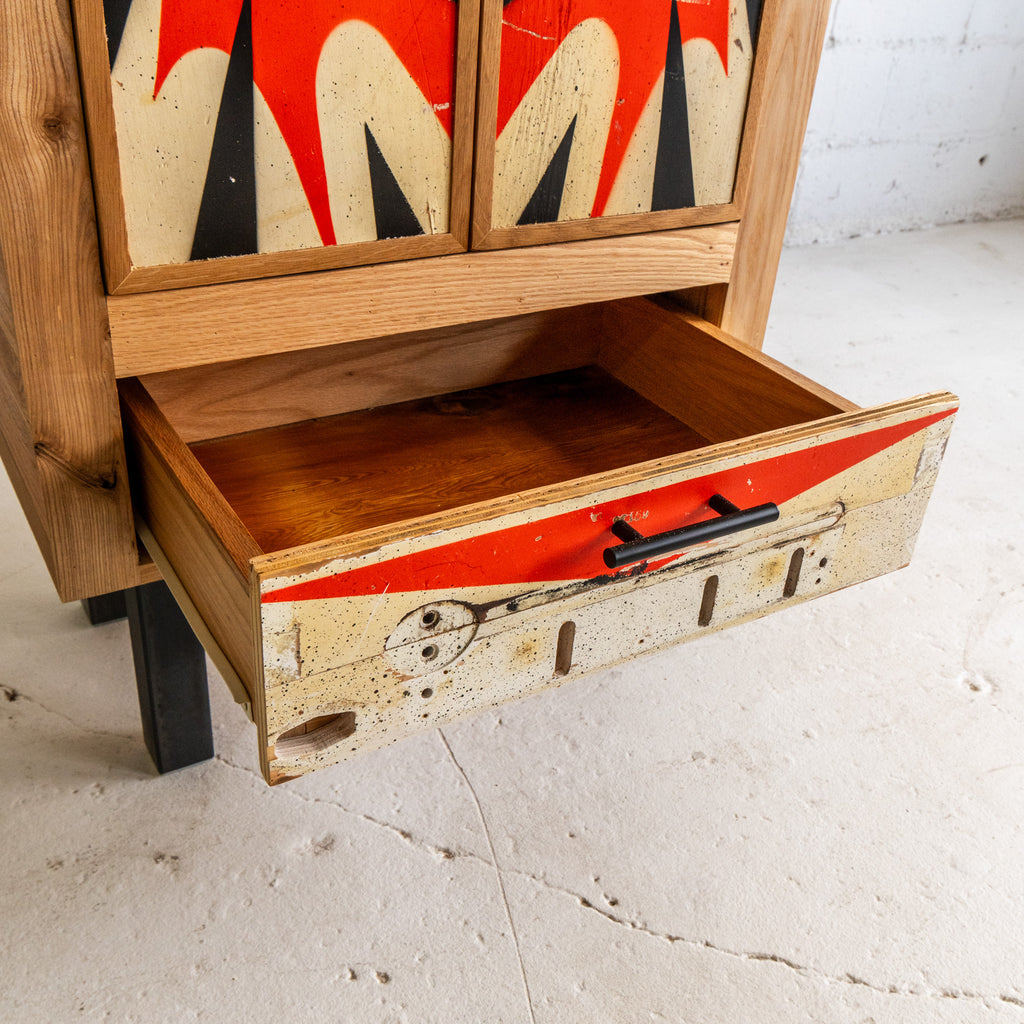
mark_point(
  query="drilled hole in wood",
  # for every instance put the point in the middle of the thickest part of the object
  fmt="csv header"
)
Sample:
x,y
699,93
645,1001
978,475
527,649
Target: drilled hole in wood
x,y
430,619
429,653
707,601
796,563
315,734
563,648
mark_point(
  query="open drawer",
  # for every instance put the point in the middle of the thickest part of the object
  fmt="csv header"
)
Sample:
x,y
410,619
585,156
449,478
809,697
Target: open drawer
x,y
387,535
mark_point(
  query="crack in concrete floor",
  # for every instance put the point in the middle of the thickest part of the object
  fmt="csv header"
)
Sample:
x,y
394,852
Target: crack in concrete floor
x,y
12,695
497,870
449,852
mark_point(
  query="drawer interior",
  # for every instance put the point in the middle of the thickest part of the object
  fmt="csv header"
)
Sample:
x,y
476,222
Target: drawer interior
x,y
322,478
439,507
340,449
377,433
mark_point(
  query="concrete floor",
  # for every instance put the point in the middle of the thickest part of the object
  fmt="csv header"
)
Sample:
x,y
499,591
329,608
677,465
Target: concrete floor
x,y
815,817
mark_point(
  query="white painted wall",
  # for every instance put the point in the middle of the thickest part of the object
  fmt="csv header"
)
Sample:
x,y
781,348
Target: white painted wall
x,y
918,119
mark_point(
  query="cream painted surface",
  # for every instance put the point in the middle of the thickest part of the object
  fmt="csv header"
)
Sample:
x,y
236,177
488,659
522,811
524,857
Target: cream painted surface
x,y
361,82
590,55
283,217
164,144
634,184
716,106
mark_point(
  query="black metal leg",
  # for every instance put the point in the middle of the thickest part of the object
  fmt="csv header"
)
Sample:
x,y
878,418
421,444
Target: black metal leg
x,y
105,607
170,670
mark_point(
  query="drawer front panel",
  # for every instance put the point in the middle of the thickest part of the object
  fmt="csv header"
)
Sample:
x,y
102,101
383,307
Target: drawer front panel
x,y
426,629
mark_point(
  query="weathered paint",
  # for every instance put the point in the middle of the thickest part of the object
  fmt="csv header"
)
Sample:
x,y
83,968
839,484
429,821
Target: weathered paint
x,y
320,74
854,512
596,70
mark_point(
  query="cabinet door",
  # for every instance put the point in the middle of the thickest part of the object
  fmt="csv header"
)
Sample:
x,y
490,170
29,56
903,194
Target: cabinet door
x,y
240,138
602,117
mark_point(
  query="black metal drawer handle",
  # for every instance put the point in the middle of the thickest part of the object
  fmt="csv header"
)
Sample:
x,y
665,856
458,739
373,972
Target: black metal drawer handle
x,y
730,519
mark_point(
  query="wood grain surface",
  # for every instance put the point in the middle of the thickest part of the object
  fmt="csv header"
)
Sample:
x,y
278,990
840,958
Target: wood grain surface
x,y
59,411
297,484
694,370
193,527
204,402
190,327
785,79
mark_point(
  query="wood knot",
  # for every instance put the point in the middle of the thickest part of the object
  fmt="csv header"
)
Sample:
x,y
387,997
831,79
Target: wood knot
x,y
104,479
55,127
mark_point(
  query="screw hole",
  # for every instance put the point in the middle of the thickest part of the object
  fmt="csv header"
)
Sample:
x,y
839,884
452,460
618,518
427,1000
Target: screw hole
x,y
430,619
429,653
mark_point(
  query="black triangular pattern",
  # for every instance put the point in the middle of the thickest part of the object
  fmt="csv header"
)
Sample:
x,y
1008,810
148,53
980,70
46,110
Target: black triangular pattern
x,y
226,225
673,167
115,15
391,210
546,200
754,9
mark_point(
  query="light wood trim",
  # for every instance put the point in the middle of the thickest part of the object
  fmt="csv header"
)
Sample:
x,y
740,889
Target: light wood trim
x,y
170,330
165,571
94,73
767,42
785,78
227,269
193,526
62,432
149,571
16,447
149,432
710,381
606,226
123,278
251,394
486,122
707,302
464,122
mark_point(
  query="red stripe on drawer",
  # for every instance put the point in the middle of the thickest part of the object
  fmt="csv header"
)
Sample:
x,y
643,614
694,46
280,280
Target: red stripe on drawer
x,y
569,546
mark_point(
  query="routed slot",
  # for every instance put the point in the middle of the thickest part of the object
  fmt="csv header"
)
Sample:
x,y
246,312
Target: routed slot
x,y
707,603
315,735
796,563
563,648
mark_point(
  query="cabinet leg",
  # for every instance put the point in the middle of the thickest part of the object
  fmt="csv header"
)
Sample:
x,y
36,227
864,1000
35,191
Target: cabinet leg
x,y
170,670
105,607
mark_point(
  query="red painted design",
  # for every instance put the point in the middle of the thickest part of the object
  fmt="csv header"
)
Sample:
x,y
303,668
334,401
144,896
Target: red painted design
x,y
569,546
287,39
534,29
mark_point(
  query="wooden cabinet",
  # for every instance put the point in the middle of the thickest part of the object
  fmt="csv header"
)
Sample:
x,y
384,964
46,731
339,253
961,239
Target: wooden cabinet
x,y
392,480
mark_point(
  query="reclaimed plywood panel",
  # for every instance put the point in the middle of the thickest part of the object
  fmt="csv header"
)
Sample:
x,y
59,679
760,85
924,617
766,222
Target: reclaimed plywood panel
x,y
230,130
